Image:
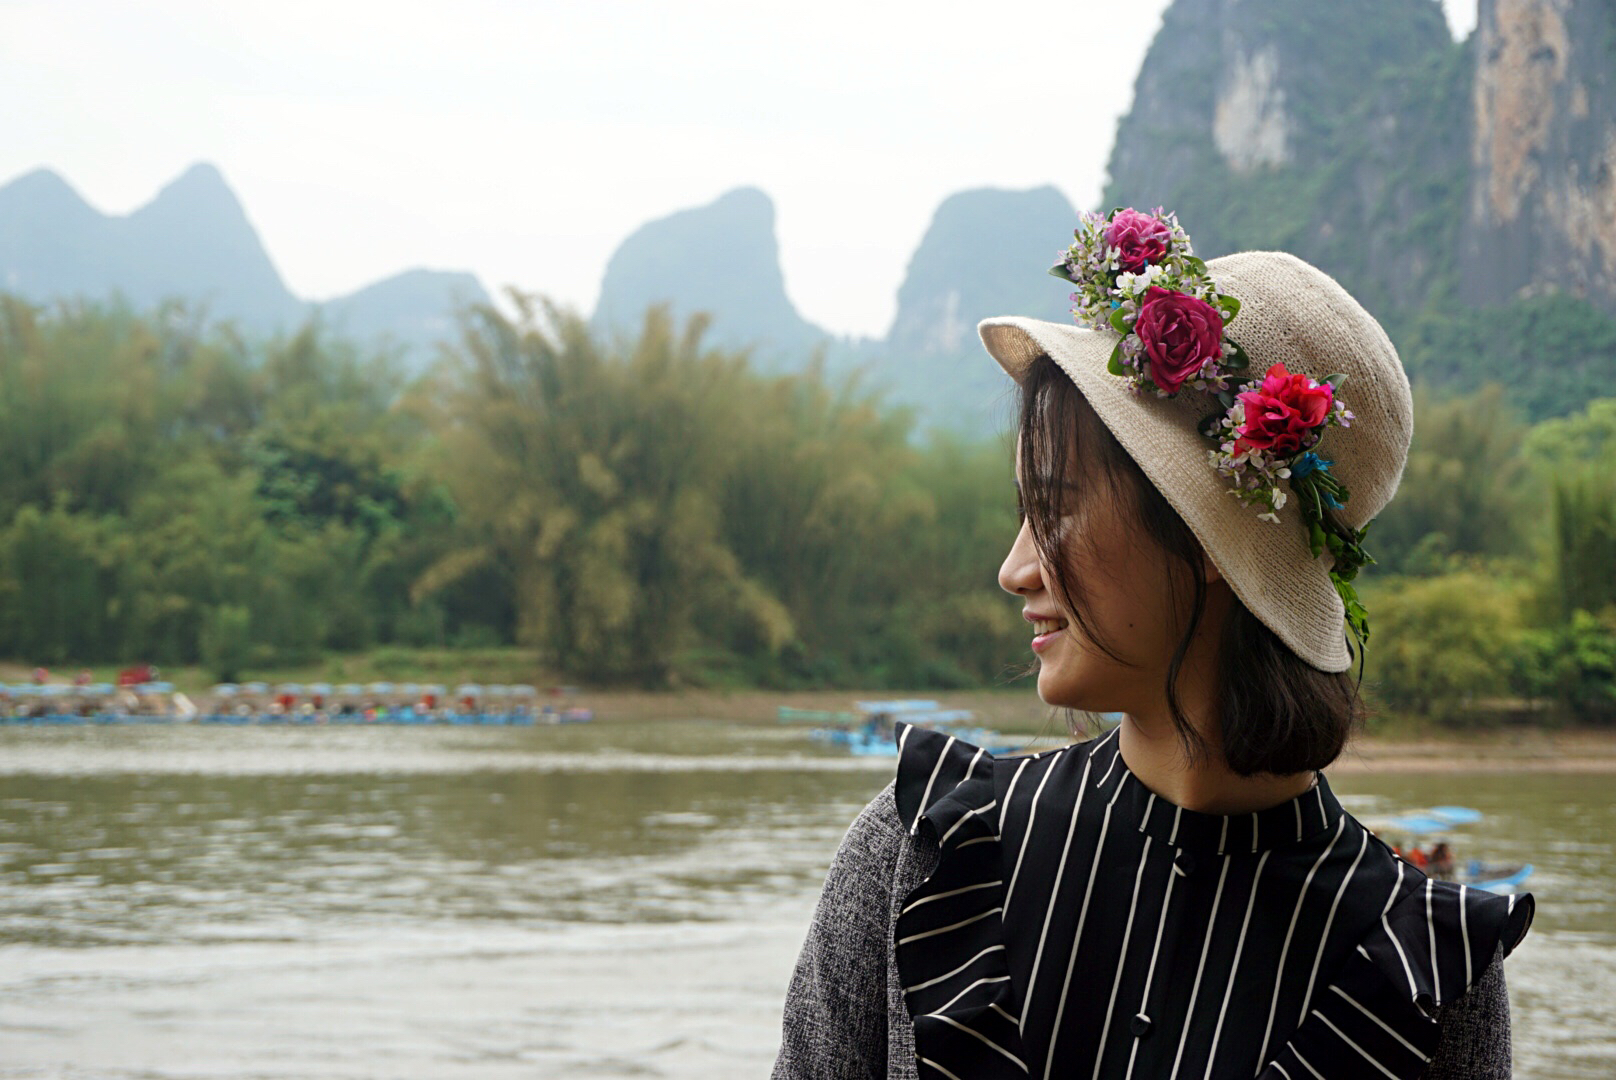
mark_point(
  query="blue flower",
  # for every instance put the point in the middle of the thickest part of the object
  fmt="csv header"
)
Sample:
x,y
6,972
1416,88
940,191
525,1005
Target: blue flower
x,y
1309,462
1330,500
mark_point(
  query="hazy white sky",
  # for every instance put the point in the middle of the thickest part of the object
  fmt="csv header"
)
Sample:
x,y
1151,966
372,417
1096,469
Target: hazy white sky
x,y
524,141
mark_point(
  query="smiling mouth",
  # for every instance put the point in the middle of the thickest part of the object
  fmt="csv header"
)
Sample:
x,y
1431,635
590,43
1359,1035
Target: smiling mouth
x,y
1043,627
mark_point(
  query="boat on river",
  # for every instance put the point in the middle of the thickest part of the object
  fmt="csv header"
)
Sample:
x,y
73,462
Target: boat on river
x,y
869,732
1438,824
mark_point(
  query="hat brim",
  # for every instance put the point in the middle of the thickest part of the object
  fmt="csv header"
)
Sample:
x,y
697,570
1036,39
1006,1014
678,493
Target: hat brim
x,y
1269,566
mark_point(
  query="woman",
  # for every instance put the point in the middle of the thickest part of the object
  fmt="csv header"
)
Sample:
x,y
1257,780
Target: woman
x,y
1184,895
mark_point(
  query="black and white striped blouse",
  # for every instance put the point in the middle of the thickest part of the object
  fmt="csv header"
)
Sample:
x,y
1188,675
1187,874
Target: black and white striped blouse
x,y
1079,925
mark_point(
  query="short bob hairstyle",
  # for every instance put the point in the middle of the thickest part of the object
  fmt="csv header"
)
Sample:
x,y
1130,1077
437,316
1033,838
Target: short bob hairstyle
x,y
1278,713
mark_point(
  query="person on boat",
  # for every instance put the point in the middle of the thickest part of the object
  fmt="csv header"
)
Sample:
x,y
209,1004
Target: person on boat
x,y
1441,861
1183,895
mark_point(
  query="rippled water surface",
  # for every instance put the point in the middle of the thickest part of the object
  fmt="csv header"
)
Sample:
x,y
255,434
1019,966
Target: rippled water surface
x,y
611,900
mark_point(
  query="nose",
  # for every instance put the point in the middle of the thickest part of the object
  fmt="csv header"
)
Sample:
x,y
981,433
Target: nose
x,y
1021,573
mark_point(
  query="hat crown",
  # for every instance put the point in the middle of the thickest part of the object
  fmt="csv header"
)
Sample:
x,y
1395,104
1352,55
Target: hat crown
x,y
1295,314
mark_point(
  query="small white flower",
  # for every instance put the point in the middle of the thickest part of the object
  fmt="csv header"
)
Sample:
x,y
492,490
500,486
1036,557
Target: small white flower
x,y
1279,498
1269,517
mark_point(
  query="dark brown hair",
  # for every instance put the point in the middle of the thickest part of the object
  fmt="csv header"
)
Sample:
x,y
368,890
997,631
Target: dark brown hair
x,y
1278,713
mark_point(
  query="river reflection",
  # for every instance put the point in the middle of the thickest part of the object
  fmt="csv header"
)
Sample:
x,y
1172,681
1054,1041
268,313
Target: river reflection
x,y
613,900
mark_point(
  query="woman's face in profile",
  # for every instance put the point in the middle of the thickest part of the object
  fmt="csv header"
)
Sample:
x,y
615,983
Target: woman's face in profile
x,y
1121,578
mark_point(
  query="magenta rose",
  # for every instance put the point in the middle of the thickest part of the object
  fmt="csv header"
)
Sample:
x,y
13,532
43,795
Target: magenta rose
x,y
1138,239
1180,333
1281,412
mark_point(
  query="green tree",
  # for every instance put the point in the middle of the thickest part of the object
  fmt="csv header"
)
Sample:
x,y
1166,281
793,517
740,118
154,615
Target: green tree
x,y
593,474
1445,641
1572,664
1466,488
1584,517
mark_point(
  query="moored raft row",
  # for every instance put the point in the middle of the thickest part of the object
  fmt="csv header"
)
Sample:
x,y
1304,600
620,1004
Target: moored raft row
x,y
283,703
93,703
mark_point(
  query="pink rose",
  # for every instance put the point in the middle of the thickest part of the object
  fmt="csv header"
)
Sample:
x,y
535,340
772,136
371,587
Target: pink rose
x,y
1180,333
1281,412
1137,239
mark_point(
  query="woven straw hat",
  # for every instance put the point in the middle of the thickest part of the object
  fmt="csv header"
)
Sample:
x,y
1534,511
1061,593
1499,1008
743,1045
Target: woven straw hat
x,y
1290,313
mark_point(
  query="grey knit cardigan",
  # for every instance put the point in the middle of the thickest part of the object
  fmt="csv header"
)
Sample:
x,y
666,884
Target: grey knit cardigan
x,y
845,1016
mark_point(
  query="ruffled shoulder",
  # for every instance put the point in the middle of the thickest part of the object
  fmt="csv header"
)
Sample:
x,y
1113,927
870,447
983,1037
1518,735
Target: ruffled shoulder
x,y
1430,945
1435,941
935,768
950,937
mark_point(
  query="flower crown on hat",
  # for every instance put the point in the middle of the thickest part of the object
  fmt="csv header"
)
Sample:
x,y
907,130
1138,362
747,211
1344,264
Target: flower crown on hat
x,y
1137,274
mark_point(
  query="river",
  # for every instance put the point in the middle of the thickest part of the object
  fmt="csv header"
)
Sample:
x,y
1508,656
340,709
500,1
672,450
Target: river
x,y
606,900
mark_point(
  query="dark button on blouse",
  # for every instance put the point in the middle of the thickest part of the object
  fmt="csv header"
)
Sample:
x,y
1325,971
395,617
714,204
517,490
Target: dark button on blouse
x,y
1141,1025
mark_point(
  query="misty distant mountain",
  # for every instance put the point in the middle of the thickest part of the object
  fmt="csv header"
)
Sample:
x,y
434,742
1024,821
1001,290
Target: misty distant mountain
x,y
194,242
722,258
413,310
985,253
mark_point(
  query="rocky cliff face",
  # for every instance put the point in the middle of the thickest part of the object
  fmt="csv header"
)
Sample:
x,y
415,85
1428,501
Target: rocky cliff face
x,y
1362,139
1542,194
1247,87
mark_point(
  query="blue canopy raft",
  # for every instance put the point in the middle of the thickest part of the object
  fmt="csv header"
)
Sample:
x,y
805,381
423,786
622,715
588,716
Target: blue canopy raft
x,y
868,732
1439,823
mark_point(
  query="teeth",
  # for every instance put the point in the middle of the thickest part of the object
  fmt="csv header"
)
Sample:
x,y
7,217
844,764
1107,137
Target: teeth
x,y
1048,626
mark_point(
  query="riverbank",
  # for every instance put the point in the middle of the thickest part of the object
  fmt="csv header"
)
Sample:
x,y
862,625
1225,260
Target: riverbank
x,y
1398,743
1394,743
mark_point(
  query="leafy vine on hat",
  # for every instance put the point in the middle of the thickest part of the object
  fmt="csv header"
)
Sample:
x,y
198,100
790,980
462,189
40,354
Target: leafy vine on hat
x,y
1137,274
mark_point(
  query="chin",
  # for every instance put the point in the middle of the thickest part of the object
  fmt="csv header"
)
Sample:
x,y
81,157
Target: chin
x,y
1060,689
1067,689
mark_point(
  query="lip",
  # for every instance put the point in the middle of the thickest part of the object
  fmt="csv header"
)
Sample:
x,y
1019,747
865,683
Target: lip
x,y
1042,641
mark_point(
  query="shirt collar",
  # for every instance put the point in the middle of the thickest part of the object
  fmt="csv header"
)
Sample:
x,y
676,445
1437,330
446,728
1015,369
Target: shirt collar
x,y
1292,822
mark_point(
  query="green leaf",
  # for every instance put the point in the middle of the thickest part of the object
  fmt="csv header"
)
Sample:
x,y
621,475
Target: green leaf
x,y
1315,537
1237,360
1335,380
1195,265
1059,270
1119,322
1114,365
1229,306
